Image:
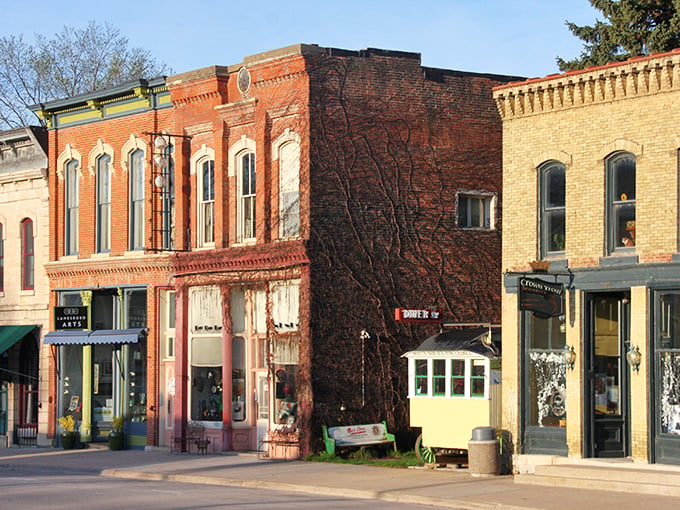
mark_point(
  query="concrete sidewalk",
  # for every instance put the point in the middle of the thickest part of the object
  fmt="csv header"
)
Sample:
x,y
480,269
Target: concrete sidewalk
x,y
442,487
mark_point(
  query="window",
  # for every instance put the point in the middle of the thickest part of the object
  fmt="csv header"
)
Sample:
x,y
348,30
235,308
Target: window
x,y
458,377
475,211
168,200
469,377
546,377
286,306
421,377
205,336
27,254
621,202
136,166
103,203
247,196
439,377
206,203
477,373
552,208
2,258
289,197
72,203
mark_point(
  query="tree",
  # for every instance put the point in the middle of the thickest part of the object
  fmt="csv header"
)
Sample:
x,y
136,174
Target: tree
x,y
633,28
75,61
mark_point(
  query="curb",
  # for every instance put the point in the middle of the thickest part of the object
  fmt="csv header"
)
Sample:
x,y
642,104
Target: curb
x,y
309,489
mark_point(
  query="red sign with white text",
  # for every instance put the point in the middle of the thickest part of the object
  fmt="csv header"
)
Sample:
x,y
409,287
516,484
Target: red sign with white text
x,y
425,315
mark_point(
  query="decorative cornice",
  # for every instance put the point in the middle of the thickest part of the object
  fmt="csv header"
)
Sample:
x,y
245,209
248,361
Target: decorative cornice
x,y
637,77
270,257
108,267
279,79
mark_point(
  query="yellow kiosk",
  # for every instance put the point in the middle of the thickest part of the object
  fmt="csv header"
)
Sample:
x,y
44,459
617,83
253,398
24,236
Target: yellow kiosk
x,y
454,386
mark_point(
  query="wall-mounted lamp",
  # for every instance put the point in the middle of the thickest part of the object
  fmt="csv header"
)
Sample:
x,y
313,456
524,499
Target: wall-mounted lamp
x,y
634,357
569,356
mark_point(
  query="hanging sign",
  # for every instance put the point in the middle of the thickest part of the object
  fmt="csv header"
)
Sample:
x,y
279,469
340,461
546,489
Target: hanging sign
x,y
543,298
427,316
70,317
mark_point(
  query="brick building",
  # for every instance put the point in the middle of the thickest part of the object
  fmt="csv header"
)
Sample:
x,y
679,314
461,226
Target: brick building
x,y
315,190
591,185
24,290
108,280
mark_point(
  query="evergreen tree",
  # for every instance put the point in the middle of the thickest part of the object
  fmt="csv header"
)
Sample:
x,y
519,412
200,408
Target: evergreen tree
x,y
632,28
75,61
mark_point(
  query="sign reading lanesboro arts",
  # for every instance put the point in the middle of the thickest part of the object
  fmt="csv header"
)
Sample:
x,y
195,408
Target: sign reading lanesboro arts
x,y
70,317
417,315
543,298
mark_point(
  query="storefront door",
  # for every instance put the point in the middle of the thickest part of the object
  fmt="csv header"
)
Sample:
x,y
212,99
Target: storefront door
x,y
606,370
262,408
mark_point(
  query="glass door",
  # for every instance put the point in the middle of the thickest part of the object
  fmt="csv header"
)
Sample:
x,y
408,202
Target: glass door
x,y
102,390
608,375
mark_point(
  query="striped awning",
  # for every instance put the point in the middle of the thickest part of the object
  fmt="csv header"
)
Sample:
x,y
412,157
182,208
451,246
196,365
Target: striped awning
x,y
98,336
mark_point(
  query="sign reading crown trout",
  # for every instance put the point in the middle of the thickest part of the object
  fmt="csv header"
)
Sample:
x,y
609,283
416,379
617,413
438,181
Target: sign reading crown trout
x,y
543,298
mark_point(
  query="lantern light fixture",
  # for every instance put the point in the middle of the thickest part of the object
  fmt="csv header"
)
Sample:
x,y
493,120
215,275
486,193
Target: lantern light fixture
x,y
569,356
634,357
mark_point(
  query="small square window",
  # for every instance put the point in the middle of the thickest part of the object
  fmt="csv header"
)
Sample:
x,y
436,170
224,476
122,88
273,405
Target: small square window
x,y
475,211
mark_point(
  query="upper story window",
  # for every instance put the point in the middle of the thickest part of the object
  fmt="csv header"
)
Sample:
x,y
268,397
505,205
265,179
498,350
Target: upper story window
x,y
552,208
287,150
168,200
136,172
475,210
206,203
246,200
103,203
620,202
2,258
27,255
72,201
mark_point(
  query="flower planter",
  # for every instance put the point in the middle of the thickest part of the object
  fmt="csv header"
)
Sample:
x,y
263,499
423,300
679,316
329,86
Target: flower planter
x,y
116,440
69,440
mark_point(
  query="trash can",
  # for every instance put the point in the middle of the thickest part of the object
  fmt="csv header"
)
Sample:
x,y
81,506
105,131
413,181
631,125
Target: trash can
x,y
484,452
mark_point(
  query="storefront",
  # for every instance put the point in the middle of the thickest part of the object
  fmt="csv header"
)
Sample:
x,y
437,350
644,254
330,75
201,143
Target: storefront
x,y
242,378
614,354
19,401
102,372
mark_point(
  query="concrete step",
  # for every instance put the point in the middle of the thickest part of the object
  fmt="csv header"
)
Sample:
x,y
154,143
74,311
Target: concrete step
x,y
643,480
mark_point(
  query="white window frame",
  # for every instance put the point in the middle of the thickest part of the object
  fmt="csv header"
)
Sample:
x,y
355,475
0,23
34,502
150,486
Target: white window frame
x,y
430,357
289,183
203,156
488,209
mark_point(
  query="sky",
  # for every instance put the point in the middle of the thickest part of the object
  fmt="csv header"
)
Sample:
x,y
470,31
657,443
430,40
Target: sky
x,y
517,38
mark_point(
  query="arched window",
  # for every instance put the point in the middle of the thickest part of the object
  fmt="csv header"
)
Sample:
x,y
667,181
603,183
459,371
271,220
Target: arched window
x,y
552,208
103,203
289,195
72,204
621,202
27,255
206,203
136,166
246,200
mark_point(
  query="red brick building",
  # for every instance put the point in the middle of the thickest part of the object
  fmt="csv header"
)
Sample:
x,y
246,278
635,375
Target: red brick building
x,y
316,190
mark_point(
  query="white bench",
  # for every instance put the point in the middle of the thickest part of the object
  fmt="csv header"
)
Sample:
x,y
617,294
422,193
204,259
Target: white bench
x,y
357,435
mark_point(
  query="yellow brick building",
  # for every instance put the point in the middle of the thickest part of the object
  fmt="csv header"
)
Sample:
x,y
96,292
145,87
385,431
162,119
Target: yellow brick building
x,y
590,184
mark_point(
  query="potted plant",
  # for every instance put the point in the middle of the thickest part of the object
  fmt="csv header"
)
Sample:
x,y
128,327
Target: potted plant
x,y
116,436
69,436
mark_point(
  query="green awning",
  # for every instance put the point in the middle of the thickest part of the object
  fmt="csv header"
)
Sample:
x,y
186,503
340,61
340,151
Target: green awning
x,y
9,335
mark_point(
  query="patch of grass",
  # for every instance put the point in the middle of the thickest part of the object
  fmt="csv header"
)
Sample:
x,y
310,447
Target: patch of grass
x,y
369,457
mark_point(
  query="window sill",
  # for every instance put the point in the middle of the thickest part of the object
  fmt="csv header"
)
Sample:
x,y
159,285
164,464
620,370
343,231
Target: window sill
x,y
619,259
102,255
27,292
